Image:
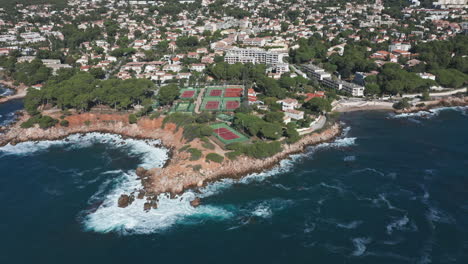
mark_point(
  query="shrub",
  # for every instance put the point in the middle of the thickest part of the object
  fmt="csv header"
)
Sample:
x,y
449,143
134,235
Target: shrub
x,y
207,144
184,148
43,121
291,133
155,115
47,121
403,104
132,119
87,123
64,123
196,167
258,150
195,154
27,124
214,157
233,155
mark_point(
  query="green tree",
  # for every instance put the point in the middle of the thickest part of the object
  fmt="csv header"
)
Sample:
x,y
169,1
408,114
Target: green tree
x,y
168,93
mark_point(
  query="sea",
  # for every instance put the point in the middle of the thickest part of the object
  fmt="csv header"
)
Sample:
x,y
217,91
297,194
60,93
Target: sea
x,y
391,189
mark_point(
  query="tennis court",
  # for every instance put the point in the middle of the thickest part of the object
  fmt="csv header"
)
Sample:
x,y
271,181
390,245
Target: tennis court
x,y
187,94
232,105
233,92
211,105
227,134
216,92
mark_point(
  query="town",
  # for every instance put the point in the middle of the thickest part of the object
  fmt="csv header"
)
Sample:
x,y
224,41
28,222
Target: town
x,y
234,71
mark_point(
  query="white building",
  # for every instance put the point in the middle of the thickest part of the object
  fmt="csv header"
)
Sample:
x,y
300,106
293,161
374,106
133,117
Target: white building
x,y
294,114
253,55
288,104
351,88
316,72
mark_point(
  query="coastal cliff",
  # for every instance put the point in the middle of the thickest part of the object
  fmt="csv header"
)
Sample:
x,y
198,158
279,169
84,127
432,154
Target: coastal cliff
x,y
180,172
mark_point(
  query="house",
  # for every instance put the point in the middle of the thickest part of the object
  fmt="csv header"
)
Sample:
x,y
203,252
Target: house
x,y
288,104
252,96
197,67
294,114
427,76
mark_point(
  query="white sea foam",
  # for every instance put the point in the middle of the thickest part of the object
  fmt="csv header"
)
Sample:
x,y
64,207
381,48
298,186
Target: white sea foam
x,y
151,156
360,245
435,215
108,217
263,211
349,158
133,220
6,92
9,118
383,199
350,225
397,224
309,227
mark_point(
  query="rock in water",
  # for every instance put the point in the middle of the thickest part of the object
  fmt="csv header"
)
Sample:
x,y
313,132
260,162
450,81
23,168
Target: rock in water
x,y
147,206
141,172
196,202
125,200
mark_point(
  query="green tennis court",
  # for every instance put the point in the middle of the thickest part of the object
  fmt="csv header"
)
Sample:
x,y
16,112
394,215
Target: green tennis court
x,y
227,134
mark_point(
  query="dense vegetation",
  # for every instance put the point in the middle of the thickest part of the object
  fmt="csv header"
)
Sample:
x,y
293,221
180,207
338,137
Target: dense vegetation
x,y
258,149
82,91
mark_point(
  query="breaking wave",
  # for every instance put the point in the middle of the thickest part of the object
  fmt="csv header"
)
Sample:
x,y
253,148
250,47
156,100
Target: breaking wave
x,y
398,224
6,91
151,153
133,220
7,119
360,245
108,217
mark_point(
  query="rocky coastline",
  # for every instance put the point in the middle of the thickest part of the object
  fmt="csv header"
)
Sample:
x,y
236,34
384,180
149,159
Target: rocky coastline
x,y
444,102
179,173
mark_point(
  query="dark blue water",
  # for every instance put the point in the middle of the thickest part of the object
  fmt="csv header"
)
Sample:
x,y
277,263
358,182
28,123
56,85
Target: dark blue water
x,y
392,190
8,110
4,91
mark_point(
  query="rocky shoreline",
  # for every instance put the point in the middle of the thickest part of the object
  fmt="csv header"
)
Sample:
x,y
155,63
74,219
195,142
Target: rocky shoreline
x,y
179,173
444,102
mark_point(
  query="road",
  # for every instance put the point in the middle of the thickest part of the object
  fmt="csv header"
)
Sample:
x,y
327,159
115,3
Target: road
x,y
316,125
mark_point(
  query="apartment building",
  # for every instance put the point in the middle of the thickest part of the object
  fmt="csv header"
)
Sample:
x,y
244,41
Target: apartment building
x,y
253,55
316,72
351,88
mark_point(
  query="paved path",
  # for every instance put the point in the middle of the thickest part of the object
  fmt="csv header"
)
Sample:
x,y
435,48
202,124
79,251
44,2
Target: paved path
x,y
437,94
199,100
316,125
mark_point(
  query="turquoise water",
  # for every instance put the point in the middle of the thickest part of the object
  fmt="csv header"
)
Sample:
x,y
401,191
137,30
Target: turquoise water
x,y
392,189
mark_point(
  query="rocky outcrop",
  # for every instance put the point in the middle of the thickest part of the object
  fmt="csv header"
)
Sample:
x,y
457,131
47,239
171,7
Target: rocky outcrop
x,y
428,105
178,174
181,178
195,202
125,200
